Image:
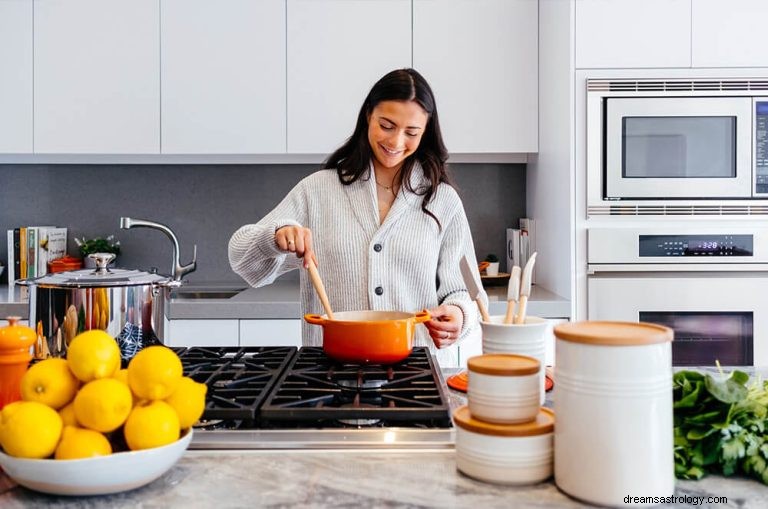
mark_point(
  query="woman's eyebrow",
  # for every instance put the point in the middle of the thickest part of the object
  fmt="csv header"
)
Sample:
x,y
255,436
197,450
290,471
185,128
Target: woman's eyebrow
x,y
395,123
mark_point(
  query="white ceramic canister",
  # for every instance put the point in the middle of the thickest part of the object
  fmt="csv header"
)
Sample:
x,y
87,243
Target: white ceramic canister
x,y
522,339
613,399
503,388
504,453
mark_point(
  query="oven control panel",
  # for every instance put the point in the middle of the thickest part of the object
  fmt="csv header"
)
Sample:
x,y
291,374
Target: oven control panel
x,y
761,147
695,245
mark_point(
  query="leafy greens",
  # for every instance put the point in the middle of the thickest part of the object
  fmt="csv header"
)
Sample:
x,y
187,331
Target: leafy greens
x,y
720,425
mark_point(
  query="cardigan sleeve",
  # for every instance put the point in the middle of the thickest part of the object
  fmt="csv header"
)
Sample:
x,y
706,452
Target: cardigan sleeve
x,y
457,242
253,253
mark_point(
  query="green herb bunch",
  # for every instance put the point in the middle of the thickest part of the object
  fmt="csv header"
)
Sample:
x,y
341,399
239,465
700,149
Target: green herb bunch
x,y
98,245
720,425
491,258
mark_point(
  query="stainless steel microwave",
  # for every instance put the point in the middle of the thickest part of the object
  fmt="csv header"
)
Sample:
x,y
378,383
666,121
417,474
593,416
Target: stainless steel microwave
x,y
657,142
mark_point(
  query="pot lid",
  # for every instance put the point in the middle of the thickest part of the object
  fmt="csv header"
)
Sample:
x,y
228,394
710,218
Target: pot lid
x,y
99,277
543,423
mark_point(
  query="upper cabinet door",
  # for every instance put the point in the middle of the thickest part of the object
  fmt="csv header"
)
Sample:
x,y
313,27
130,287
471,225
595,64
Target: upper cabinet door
x,y
729,34
16,81
223,76
97,76
481,59
633,33
337,50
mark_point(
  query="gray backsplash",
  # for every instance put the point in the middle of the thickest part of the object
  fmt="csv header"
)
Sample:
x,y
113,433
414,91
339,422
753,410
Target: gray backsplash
x,y
205,204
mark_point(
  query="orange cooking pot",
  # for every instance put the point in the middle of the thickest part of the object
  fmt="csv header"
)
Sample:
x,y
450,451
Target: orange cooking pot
x,y
369,337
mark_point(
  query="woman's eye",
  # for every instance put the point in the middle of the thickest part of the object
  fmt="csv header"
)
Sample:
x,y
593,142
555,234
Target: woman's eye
x,y
386,127
412,135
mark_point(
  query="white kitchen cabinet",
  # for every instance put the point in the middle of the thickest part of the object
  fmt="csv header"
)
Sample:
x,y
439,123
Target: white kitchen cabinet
x,y
16,82
203,333
481,59
729,34
270,333
97,76
337,50
223,76
633,33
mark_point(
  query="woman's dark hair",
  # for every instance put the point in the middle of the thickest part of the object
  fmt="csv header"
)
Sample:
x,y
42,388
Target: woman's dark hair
x,y
351,160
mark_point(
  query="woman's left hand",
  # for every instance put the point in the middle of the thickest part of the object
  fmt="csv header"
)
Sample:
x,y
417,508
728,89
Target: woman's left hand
x,y
445,325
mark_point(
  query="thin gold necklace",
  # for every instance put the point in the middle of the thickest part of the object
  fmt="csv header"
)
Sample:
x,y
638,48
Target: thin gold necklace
x,y
388,188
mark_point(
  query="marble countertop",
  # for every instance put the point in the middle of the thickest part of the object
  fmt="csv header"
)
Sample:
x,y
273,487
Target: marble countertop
x,y
352,478
280,300
230,479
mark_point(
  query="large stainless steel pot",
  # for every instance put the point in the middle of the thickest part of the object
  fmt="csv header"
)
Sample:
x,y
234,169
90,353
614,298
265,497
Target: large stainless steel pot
x,y
130,305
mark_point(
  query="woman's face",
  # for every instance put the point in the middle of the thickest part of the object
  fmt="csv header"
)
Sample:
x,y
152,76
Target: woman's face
x,y
395,129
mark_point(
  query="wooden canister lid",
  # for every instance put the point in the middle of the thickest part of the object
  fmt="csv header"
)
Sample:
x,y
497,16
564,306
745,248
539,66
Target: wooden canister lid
x,y
614,333
543,424
503,364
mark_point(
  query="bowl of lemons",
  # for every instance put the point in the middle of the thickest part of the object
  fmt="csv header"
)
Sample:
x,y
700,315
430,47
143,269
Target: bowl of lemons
x,y
84,426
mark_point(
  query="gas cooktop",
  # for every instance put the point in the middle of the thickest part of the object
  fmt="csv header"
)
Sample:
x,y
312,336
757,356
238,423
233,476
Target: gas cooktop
x,y
284,397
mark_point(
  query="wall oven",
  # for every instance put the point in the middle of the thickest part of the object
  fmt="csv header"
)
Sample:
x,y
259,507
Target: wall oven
x,y
652,142
707,284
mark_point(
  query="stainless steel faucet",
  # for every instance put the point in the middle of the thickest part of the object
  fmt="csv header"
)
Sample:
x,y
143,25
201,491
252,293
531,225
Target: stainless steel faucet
x,y
178,270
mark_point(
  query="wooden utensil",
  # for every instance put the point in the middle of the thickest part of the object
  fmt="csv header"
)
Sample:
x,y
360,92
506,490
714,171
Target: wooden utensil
x,y
513,294
475,291
525,288
319,287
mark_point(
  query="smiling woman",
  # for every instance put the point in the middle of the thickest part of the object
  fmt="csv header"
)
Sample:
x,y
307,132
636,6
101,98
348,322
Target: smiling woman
x,y
382,222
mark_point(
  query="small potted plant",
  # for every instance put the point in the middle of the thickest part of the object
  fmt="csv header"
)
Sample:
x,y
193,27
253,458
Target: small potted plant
x,y
97,245
492,269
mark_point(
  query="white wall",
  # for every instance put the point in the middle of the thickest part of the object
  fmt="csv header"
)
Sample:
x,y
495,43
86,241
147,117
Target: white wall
x,y
549,179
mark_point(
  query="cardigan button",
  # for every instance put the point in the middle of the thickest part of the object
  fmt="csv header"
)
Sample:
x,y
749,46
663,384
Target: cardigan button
x,y
377,247
379,290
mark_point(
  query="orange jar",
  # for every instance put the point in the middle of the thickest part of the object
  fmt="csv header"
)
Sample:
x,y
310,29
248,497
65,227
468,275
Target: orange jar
x,y
15,343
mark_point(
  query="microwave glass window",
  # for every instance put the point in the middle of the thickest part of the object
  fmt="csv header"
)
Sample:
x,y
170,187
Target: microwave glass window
x,y
678,147
703,337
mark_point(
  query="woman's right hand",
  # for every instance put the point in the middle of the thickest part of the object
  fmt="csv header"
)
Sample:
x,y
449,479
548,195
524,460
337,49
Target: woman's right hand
x,y
296,239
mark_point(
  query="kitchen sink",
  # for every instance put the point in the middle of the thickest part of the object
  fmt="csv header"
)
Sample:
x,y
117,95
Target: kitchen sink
x,y
205,294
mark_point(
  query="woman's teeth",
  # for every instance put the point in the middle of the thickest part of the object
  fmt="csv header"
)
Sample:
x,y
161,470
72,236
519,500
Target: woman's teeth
x,y
391,152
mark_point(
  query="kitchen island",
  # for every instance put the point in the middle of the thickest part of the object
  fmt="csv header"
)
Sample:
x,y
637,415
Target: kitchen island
x,y
229,479
354,478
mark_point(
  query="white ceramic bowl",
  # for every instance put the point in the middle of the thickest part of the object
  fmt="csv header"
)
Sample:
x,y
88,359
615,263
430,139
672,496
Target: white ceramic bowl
x,y
101,475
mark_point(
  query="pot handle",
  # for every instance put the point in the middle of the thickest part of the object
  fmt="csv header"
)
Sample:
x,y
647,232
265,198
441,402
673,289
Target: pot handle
x,y
315,319
422,316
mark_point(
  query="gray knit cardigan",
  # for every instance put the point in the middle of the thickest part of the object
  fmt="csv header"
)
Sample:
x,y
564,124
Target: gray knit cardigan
x,y
406,264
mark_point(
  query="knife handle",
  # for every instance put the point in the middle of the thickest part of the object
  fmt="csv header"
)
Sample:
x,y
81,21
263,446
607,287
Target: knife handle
x,y
521,313
483,311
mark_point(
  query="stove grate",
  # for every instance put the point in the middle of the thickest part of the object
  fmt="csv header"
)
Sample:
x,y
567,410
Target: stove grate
x,y
315,390
238,378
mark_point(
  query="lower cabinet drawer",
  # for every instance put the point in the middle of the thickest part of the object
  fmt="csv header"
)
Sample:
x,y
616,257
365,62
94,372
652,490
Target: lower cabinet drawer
x,y
270,332
203,333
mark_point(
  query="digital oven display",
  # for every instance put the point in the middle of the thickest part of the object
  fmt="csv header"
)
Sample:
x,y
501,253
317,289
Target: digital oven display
x,y
696,245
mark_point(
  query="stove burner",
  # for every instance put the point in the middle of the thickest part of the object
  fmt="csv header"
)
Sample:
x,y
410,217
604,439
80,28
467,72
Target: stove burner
x,y
359,423
360,384
318,391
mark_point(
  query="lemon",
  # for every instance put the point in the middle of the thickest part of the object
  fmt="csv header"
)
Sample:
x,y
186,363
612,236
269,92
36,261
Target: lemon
x,y
151,424
81,443
68,415
30,429
122,376
188,400
154,373
103,405
49,382
93,354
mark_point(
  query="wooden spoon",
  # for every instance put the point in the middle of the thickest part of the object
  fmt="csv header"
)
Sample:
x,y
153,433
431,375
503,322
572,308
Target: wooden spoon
x,y
319,287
